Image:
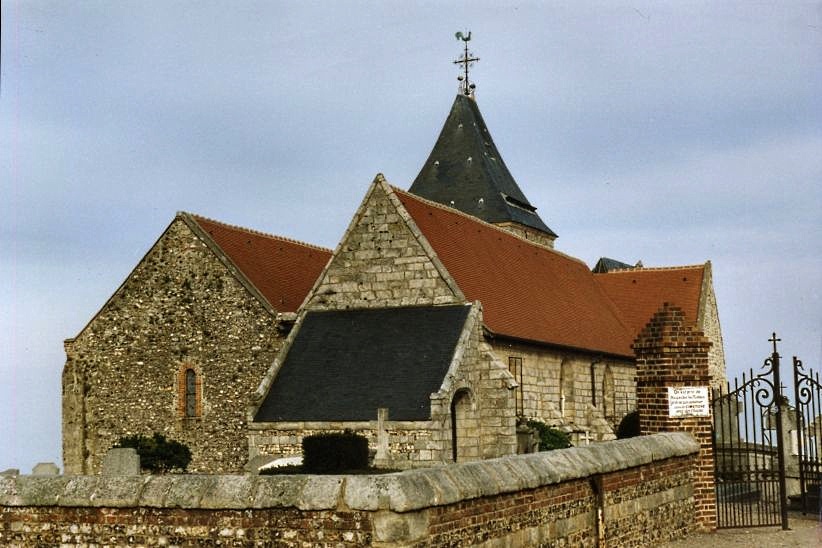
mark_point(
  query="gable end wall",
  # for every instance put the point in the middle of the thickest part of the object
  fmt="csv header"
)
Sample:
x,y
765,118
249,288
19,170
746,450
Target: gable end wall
x,y
383,261
180,305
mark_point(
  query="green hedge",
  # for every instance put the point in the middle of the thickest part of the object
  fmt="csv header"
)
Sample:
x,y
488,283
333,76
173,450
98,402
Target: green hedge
x,y
334,452
550,438
157,454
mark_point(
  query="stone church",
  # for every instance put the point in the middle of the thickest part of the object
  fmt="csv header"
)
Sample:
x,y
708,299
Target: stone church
x,y
443,319
181,344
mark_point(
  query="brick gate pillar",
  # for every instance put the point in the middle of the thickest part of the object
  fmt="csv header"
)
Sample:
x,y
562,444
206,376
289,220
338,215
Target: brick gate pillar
x,y
672,353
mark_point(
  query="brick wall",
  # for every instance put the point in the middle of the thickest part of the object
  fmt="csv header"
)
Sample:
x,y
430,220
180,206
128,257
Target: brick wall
x,y
124,373
634,492
671,353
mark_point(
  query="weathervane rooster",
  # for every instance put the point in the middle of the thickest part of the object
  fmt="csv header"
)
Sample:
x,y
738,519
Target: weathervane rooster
x,y
466,61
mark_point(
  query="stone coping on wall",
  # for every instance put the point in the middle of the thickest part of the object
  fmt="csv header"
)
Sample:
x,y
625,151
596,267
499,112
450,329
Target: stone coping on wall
x,y
398,492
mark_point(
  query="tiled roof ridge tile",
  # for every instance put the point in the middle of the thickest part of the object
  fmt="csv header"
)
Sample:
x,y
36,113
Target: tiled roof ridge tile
x,y
635,270
255,232
486,224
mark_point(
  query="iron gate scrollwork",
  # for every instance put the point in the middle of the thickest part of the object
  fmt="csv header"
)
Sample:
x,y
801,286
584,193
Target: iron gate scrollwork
x,y
808,437
749,457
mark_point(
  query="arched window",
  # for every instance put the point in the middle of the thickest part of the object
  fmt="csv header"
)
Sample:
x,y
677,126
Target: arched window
x,y
608,393
567,399
189,392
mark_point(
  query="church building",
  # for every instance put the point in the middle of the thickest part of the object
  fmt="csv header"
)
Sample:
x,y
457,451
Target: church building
x,y
546,339
444,319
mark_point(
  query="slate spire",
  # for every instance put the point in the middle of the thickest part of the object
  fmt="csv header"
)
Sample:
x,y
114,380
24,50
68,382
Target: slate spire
x,y
465,171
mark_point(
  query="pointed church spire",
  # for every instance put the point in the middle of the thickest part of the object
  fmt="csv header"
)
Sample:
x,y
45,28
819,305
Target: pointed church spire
x,y
465,170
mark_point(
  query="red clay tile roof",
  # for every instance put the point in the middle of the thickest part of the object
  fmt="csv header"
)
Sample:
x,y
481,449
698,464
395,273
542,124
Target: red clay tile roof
x,y
282,270
639,293
527,291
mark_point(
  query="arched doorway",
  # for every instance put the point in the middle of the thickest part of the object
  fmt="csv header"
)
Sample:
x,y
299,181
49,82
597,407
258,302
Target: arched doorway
x,y
462,420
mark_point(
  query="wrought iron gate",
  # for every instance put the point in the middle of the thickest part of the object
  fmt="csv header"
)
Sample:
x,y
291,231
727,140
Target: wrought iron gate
x,y
808,437
749,449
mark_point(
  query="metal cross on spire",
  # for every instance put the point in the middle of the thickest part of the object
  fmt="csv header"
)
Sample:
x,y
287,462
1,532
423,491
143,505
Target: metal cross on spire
x,y
466,61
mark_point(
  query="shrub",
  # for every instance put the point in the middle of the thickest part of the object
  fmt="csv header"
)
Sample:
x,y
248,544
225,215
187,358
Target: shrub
x,y
628,426
550,438
157,454
334,452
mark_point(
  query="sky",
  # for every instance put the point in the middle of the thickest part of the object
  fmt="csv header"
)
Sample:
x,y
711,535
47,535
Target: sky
x,y
667,132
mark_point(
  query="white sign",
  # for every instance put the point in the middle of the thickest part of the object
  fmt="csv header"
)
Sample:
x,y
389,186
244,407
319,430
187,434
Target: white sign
x,y
688,401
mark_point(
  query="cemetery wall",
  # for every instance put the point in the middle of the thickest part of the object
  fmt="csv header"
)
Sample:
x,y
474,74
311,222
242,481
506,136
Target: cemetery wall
x,y
630,492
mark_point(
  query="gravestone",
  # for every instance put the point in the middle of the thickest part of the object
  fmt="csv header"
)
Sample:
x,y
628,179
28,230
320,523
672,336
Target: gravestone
x,y
45,469
121,461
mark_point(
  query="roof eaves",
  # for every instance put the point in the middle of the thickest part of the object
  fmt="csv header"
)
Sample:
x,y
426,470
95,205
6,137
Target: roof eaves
x,y
547,344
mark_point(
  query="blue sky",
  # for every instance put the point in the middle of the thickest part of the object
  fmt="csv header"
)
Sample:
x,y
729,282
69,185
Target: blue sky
x,y
674,133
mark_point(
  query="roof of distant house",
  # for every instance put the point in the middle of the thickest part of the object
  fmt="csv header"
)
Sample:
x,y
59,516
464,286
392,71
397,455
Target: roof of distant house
x,y
343,365
282,270
527,291
465,171
640,292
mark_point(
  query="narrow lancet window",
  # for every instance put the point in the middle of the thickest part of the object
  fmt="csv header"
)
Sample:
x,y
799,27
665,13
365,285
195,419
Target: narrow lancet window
x,y
191,394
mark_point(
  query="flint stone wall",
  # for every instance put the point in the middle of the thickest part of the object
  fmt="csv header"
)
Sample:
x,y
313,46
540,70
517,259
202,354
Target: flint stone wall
x,y
642,485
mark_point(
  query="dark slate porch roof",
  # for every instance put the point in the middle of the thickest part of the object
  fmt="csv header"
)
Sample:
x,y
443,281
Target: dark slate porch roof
x,y
345,364
465,171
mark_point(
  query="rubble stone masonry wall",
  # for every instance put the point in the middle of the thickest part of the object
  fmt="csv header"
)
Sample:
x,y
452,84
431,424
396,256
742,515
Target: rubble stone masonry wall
x,y
549,374
485,413
709,324
633,492
180,308
528,233
382,262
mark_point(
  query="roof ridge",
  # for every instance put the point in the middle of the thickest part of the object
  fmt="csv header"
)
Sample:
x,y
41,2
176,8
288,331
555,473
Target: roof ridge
x,y
486,223
258,232
634,270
